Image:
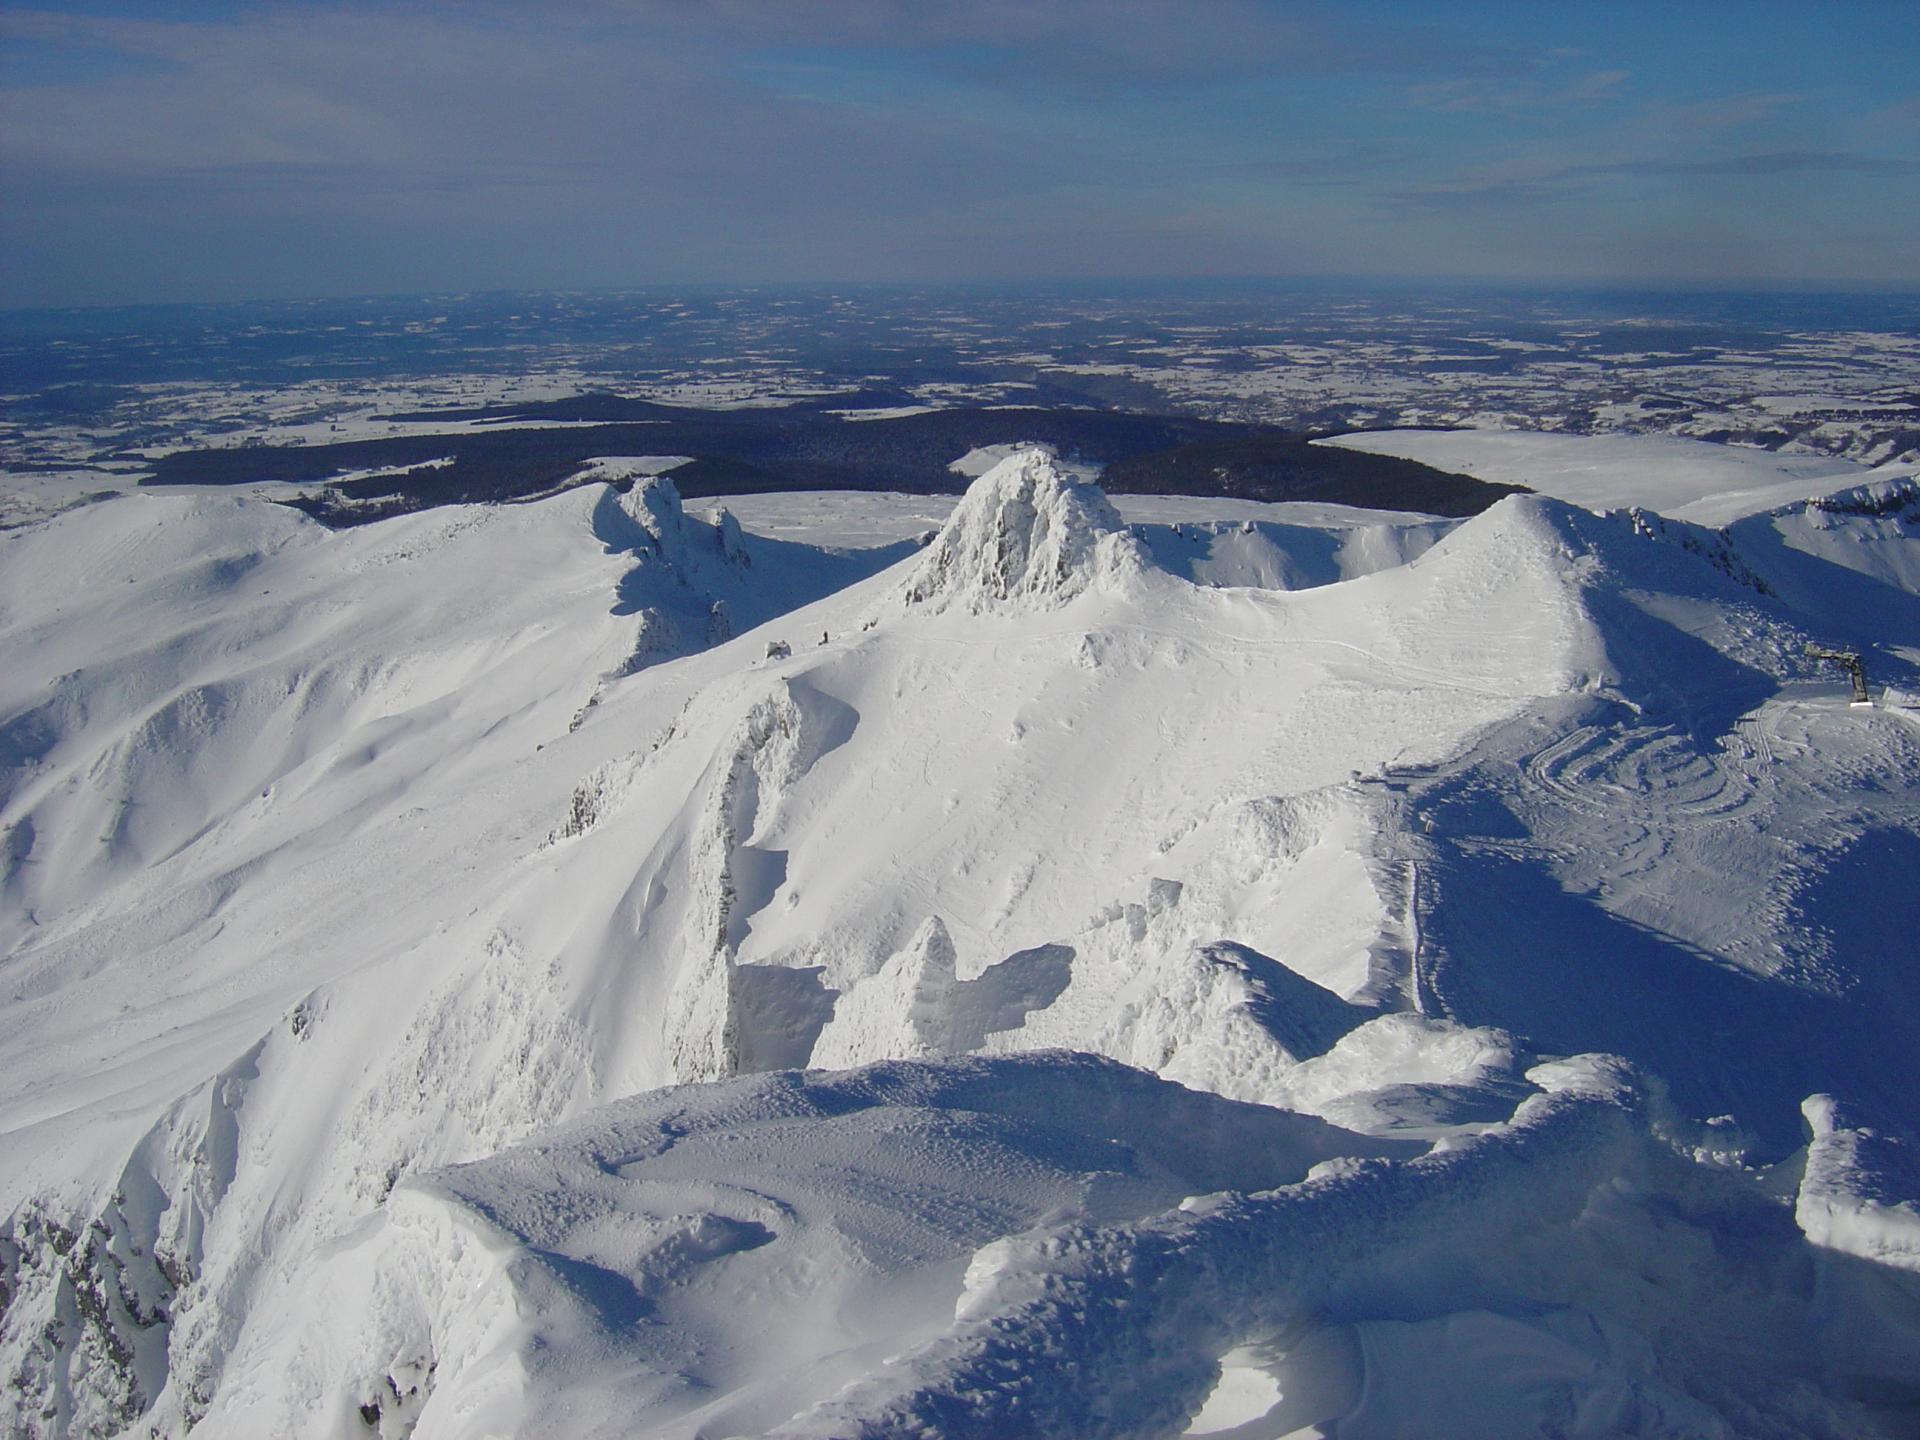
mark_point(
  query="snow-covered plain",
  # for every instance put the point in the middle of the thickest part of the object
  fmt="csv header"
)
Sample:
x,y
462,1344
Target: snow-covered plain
x,y
1686,479
1259,970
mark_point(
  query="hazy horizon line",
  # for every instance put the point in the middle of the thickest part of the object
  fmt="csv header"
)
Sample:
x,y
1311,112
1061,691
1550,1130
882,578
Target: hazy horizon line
x,y
1508,284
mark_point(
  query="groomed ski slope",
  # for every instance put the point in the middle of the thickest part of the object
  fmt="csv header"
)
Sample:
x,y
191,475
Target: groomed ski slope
x,y
341,858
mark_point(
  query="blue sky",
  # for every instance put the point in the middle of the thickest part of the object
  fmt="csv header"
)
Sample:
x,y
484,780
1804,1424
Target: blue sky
x,y
202,149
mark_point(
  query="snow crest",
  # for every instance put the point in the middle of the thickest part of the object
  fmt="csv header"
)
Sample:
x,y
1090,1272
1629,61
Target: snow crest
x,y
1025,535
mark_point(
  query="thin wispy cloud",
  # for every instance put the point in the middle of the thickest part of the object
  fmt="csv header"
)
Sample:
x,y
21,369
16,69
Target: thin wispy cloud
x,y
1721,113
1776,162
1073,40
1556,185
1537,93
220,148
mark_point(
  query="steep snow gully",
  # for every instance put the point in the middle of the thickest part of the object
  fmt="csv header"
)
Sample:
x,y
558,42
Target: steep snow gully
x,y
585,968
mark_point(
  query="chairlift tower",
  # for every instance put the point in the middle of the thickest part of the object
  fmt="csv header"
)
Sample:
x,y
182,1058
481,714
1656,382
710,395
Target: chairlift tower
x,y
1848,660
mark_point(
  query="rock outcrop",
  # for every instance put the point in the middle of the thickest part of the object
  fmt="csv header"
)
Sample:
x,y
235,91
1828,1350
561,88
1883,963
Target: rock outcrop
x,y
1025,535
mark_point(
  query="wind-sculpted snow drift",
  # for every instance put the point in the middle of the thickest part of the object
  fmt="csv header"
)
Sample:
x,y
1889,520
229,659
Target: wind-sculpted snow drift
x,y
1512,915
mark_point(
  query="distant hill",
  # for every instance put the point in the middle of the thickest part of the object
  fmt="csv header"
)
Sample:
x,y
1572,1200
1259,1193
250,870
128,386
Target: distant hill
x,y
517,451
1267,466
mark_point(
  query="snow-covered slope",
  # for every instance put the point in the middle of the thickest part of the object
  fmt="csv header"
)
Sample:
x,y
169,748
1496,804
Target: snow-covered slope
x,y
838,1211
1686,479
1850,557
429,851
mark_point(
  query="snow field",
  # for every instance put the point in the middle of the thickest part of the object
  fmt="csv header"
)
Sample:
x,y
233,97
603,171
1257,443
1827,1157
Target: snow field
x,y
544,839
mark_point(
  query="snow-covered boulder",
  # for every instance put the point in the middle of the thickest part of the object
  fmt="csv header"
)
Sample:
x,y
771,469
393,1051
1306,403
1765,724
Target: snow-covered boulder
x,y
1860,1194
1859,1207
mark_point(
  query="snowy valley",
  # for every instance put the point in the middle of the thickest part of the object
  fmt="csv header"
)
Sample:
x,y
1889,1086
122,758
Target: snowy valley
x,y
1037,965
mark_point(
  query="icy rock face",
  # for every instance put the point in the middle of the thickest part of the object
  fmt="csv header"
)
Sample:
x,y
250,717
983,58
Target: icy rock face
x,y
653,504
772,746
1286,931
683,570
86,1318
95,1313
733,541
1025,534
1898,496
487,1057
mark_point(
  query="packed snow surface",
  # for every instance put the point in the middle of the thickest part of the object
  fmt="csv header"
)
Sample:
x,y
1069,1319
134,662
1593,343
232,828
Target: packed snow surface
x,y
595,968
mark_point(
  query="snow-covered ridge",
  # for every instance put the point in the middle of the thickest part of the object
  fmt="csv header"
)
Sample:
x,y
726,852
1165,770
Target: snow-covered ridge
x,y
1894,493
430,869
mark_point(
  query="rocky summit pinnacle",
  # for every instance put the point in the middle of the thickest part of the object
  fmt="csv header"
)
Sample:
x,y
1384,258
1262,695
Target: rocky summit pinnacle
x,y
1025,531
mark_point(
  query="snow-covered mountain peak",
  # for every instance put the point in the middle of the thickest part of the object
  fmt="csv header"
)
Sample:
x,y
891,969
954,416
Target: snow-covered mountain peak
x,y
1026,532
1530,530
